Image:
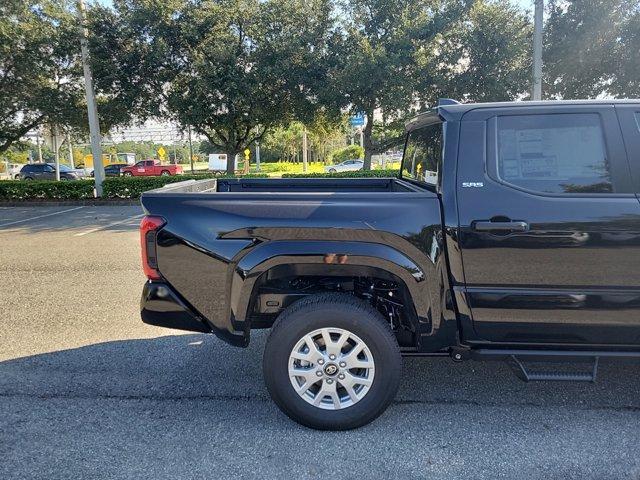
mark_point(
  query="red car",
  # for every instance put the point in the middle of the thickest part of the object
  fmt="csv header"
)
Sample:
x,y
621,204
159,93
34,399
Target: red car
x,y
151,168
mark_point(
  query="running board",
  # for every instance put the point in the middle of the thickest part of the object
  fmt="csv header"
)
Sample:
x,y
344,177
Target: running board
x,y
525,373
521,358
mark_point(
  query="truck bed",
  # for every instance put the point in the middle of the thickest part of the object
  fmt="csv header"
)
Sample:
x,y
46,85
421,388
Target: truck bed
x,y
220,235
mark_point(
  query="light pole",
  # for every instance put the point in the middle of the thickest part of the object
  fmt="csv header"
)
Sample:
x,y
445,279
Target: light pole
x,y
190,149
56,149
536,91
71,162
304,150
92,109
257,156
38,139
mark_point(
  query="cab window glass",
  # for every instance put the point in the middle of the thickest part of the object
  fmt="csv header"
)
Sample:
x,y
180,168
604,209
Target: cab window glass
x,y
423,154
560,153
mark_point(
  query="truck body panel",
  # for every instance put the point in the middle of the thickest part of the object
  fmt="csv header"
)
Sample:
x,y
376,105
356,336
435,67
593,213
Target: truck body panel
x,y
215,246
517,227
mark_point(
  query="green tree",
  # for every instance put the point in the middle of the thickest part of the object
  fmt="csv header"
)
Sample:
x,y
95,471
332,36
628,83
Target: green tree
x,y
347,153
591,49
239,67
326,133
39,70
375,67
626,81
286,140
130,46
485,56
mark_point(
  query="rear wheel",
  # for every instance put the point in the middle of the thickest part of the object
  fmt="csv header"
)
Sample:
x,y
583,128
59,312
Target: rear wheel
x,y
333,170
332,362
165,173
128,174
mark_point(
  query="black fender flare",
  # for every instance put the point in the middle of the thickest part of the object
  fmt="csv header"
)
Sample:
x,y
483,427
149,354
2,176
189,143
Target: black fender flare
x,y
320,253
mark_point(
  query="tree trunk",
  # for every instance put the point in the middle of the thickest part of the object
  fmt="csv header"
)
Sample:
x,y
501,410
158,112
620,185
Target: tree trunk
x,y
231,164
368,141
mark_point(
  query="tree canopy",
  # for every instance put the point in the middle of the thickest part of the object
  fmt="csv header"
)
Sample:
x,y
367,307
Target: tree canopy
x,y
38,71
230,69
592,49
235,70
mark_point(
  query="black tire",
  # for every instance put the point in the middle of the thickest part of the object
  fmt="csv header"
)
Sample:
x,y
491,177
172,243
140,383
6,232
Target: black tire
x,y
333,170
128,174
165,173
28,178
332,310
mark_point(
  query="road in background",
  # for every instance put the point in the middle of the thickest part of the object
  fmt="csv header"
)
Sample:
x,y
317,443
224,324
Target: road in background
x,y
89,391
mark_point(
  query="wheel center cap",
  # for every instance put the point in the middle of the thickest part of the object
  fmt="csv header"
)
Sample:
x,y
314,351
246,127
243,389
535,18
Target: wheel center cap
x,y
331,369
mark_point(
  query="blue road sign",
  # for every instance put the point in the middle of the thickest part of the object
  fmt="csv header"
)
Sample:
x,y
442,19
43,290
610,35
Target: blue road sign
x,y
357,120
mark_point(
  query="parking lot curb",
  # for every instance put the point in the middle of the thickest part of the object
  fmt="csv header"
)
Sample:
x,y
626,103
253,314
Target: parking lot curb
x,y
89,202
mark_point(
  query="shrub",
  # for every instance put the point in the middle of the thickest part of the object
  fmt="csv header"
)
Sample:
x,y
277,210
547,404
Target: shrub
x,y
113,187
349,152
353,174
37,190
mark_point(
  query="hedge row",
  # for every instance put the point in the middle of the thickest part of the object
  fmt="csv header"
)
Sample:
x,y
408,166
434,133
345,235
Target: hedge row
x,y
45,190
353,174
133,187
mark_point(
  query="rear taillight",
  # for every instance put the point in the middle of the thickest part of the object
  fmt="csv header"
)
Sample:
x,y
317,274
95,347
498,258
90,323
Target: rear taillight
x,y
148,229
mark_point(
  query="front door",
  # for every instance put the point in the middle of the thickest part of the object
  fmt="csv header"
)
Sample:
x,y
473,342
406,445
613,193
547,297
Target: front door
x,y
549,227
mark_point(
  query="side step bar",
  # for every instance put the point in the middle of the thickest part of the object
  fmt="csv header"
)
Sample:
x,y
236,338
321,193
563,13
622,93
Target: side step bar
x,y
527,375
496,353
525,372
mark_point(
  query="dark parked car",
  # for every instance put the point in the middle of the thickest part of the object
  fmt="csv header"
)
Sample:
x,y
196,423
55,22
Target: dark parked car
x,y
46,171
113,169
512,231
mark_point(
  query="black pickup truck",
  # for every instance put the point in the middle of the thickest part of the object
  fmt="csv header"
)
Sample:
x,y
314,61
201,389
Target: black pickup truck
x,y
512,231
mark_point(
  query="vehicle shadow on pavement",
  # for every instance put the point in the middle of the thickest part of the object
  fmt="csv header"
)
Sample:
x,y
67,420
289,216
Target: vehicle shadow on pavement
x,y
70,219
203,367
190,406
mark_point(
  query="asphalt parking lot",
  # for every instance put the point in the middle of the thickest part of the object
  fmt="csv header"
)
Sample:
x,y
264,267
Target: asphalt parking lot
x,y
89,391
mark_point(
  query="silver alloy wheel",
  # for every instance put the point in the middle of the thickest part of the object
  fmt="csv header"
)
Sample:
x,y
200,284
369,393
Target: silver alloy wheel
x,y
331,368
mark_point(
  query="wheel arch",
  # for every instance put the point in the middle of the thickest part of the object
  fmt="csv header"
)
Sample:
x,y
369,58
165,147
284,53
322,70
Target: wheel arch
x,y
327,259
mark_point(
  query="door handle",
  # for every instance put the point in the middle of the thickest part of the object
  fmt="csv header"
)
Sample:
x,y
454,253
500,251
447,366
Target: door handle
x,y
487,226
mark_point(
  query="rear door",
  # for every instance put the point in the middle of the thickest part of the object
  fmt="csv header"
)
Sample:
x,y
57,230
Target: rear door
x,y
37,171
549,226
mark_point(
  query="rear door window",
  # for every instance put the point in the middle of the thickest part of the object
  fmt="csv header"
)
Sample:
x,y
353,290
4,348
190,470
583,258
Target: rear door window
x,y
555,153
422,158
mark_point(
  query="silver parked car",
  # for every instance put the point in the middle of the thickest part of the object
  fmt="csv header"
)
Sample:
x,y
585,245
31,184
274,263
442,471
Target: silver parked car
x,y
346,166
